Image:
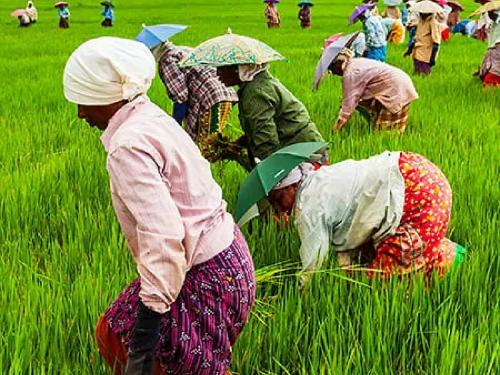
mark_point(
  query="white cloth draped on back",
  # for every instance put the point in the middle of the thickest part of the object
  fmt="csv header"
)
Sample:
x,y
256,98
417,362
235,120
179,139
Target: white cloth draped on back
x,y
347,204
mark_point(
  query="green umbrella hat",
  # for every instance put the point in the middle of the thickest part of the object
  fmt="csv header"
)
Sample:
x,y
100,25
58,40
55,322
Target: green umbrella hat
x,y
270,171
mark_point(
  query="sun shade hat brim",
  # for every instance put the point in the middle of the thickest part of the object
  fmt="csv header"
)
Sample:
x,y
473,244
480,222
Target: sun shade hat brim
x,y
152,36
488,7
231,49
358,11
328,56
269,172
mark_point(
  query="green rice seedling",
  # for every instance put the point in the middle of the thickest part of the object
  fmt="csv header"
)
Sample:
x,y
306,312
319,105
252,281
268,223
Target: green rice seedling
x,y
63,258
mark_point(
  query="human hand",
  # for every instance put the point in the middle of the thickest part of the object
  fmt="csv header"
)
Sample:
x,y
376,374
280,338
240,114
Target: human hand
x,y
337,127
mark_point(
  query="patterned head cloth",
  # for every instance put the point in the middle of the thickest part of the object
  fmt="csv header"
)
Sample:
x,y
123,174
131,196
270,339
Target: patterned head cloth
x,y
247,72
344,56
107,70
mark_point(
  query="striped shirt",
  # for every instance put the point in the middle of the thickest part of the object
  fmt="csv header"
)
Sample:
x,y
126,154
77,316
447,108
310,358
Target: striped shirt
x,y
169,207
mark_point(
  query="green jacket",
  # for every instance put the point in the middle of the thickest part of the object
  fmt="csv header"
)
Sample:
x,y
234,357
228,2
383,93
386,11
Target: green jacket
x,y
272,117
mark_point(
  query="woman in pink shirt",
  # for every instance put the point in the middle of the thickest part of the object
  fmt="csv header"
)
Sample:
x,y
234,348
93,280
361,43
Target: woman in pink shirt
x,y
379,91
196,282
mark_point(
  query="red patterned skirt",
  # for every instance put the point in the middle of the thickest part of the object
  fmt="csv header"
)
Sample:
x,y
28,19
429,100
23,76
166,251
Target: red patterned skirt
x,y
491,79
203,323
419,242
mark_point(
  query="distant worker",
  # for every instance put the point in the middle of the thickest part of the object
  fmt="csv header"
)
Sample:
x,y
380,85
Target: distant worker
x,y
32,12
272,14
108,14
411,22
392,10
374,30
454,16
63,13
490,67
465,27
442,18
395,30
381,92
305,13
24,20
388,214
484,23
425,47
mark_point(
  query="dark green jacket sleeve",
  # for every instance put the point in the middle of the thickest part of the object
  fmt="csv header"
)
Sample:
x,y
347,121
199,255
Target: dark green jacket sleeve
x,y
257,114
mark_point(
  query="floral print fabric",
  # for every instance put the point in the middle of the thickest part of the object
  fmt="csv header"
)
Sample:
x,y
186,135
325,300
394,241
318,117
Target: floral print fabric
x,y
419,242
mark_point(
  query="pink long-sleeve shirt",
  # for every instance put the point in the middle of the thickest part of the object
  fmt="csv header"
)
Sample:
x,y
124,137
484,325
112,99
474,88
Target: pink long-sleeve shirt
x,y
366,79
169,207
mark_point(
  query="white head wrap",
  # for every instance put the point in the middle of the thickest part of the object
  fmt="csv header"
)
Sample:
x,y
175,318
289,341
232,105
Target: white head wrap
x,y
294,176
107,70
247,72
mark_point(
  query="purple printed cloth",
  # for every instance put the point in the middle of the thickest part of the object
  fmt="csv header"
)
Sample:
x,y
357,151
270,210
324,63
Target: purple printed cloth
x,y
197,333
421,67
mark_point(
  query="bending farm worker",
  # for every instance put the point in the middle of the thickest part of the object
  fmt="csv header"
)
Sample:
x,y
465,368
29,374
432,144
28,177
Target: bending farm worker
x,y
425,47
272,14
305,13
388,213
63,13
108,14
23,18
32,12
484,23
379,91
442,18
392,11
270,115
395,30
490,67
454,16
174,220
208,102
374,30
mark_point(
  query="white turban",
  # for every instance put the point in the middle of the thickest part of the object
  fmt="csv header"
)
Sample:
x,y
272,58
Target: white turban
x,y
294,176
107,70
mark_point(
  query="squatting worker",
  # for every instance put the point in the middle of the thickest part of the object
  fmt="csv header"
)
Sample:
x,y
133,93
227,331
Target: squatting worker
x,y
484,23
270,115
196,280
389,212
377,89
490,67
201,100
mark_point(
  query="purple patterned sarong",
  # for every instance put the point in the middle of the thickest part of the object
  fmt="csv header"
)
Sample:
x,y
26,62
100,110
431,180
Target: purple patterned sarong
x,y
422,67
203,323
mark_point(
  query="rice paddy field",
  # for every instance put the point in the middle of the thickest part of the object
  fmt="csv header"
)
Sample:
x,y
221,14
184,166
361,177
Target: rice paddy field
x,y
63,258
